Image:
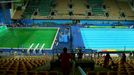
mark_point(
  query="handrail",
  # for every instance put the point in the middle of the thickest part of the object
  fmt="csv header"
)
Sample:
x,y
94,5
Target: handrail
x,y
30,47
41,48
81,71
36,48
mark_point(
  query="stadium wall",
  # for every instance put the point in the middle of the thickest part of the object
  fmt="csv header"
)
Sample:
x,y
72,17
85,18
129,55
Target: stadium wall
x,y
84,22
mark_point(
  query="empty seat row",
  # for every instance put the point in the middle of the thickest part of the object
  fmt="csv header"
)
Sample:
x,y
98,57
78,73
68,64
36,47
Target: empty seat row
x,y
11,72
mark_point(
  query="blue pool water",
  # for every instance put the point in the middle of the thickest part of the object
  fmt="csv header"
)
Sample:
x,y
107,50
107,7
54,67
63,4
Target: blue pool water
x,y
104,39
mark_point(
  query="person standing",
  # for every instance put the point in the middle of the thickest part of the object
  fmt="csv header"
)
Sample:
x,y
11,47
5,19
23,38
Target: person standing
x,y
123,58
80,55
65,59
107,58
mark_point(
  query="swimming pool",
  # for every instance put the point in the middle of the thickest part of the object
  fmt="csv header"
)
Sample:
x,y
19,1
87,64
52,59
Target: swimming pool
x,y
108,39
24,38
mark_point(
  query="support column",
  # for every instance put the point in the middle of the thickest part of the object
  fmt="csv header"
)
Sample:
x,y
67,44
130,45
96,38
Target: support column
x,y
4,12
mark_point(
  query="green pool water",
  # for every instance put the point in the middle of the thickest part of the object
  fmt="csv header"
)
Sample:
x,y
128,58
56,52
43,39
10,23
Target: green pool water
x,y
25,37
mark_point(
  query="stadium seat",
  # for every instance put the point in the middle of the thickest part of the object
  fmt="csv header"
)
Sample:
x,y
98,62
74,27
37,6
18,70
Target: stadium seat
x,y
130,69
123,73
131,73
11,72
21,73
13,68
31,73
103,73
53,73
92,73
122,69
2,72
42,73
112,73
4,68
